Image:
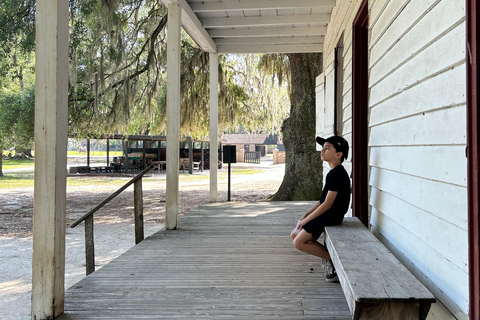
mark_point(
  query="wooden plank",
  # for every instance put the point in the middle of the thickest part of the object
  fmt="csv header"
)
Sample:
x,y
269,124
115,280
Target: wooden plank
x,y
426,264
319,106
376,311
386,56
341,21
396,20
442,127
357,254
433,162
441,55
449,91
258,5
173,114
89,246
429,266
360,106
421,226
51,122
389,21
265,20
359,251
267,32
377,8
138,211
226,261
273,48
473,30
213,135
329,113
418,191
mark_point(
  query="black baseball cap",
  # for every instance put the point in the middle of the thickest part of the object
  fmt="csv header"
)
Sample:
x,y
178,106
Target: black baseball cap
x,y
340,144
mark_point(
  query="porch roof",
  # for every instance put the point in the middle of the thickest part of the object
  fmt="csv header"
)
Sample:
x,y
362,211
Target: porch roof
x,y
256,26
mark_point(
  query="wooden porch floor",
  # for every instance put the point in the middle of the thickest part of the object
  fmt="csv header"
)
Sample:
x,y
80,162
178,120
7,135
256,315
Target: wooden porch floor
x,y
226,261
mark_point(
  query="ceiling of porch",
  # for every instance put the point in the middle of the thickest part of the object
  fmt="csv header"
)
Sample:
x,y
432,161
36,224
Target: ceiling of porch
x,y
256,26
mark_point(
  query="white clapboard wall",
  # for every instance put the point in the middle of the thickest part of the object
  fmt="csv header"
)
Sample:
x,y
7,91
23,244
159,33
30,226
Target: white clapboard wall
x,y
325,90
417,135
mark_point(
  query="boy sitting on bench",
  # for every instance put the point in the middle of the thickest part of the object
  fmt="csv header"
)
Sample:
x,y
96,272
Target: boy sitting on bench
x,y
333,204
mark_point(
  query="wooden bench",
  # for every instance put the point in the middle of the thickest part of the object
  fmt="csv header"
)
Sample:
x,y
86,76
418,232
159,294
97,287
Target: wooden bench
x,y
101,169
196,165
79,169
376,285
184,163
159,165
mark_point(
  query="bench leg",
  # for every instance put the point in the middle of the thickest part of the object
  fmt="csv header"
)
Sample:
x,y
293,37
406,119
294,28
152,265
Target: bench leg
x,y
423,312
392,310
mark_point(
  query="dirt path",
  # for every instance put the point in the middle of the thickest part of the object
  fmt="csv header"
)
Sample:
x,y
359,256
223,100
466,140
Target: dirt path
x,y
114,229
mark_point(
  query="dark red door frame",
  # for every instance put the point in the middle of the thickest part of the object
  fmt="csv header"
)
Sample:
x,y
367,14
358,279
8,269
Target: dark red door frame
x,y
337,100
473,33
360,115
335,95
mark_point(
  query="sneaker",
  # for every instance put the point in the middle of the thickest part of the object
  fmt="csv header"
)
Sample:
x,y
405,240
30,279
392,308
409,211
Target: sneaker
x,y
331,274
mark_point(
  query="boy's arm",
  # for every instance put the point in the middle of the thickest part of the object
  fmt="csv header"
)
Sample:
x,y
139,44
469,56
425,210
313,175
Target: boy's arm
x,y
321,208
315,206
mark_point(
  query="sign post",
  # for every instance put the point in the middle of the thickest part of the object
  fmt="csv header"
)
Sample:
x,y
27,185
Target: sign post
x,y
229,156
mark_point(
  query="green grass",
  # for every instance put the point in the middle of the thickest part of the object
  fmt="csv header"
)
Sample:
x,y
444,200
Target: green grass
x,y
244,171
193,177
221,175
95,153
16,180
24,179
80,181
16,164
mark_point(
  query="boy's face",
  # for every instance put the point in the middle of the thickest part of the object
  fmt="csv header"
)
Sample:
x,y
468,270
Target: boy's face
x,y
329,153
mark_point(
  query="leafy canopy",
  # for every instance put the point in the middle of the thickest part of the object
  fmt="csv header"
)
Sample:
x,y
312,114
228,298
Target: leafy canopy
x,y
117,81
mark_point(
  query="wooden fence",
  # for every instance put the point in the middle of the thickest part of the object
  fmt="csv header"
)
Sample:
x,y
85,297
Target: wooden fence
x,y
252,156
138,213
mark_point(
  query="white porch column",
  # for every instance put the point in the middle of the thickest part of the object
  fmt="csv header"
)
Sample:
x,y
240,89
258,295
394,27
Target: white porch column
x,y
51,111
173,113
213,126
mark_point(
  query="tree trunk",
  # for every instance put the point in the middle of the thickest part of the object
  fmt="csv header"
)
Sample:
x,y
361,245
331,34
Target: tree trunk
x,y
1,163
303,167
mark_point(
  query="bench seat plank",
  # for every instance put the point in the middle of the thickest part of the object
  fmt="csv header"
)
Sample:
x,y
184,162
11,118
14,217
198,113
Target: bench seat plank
x,y
370,275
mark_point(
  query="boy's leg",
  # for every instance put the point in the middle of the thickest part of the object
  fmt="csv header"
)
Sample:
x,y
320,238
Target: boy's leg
x,y
293,235
306,243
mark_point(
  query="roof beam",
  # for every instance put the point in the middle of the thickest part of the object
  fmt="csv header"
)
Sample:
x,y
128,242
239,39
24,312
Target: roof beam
x,y
271,40
258,5
262,32
264,20
284,48
193,26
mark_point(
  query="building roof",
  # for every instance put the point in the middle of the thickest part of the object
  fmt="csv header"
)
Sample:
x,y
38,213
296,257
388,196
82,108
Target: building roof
x,y
256,26
249,139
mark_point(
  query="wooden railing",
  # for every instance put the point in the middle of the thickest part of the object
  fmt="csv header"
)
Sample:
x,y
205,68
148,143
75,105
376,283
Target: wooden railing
x,y
252,156
138,214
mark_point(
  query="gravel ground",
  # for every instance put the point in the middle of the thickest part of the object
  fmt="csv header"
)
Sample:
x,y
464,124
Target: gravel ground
x,y
114,226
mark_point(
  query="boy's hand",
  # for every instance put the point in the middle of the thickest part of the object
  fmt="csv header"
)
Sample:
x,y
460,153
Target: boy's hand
x,y
304,221
298,228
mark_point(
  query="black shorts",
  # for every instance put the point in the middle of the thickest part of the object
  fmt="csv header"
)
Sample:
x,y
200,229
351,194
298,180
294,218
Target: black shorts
x,y
317,225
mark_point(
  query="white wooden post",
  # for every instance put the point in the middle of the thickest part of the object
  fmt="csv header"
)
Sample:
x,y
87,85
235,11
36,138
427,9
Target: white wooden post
x,y
173,113
51,111
213,126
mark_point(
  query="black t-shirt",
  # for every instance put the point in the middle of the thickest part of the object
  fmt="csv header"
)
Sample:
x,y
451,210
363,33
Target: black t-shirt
x,y
339,181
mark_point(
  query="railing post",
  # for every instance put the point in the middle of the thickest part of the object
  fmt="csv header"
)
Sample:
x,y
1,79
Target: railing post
x,y
89,245
138,210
